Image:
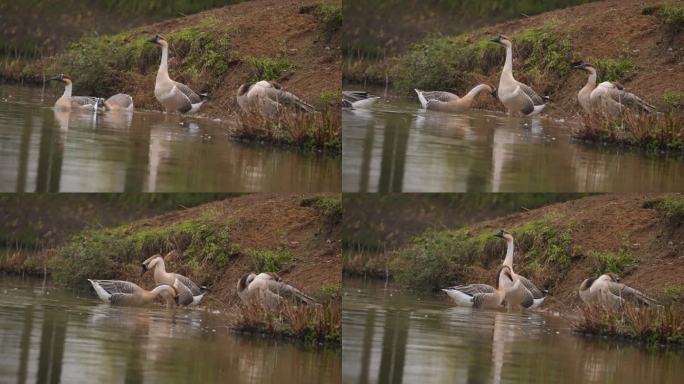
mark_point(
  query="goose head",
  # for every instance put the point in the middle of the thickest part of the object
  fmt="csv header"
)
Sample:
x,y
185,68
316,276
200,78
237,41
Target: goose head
x,y
61,78
243,89
159,40
245,280
150,263
587,283
503,40
584,67
504,235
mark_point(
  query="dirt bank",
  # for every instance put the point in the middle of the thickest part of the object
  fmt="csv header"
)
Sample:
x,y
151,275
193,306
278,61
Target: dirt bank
x,y
297,236
558,246
628,38
296,43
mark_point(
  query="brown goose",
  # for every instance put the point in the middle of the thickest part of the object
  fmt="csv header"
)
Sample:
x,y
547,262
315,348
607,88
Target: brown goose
x,y
156,263
268,98
538,295
269,290
607,290
172,95
68,102
449,102
481,295
121,292
119,102
517,97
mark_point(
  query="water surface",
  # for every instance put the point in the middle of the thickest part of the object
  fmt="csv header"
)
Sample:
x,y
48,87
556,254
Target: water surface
x,y
399,147
55,336
392,336
44,150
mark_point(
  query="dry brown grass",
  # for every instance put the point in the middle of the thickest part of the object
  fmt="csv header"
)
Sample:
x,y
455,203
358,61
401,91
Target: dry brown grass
x,y
320,324
654,325
319,131
653,132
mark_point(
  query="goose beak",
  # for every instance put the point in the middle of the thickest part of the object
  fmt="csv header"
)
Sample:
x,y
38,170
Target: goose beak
x,y
499,234
496,39
58,77
579,66
154,39
144,269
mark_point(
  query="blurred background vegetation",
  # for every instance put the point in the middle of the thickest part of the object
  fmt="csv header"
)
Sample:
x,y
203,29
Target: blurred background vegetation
x,y
377,222
32,29
374,30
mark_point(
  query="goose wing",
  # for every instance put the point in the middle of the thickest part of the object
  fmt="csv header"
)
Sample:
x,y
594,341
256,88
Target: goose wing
x,y
184,294
630,294
536,99
289,292
628,99
287,99
119,286
189,93
536,292
354,96
194,288
120,100
439,96
84,101
474,289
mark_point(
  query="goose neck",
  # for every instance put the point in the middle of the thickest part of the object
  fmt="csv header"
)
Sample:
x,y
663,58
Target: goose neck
x,y
67,89
508,261
475,91
508,65
163,73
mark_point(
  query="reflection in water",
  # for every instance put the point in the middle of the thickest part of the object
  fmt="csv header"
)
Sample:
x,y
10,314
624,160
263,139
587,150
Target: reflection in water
x,y
399,147
393,337
44,150
57,337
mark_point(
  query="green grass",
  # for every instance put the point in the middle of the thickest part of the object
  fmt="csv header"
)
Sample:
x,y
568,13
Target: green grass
x,y
269,68
106,253
617,263
614,69
329,206
671,208
672,16
330,16
672,294
269,260
671,101
439,258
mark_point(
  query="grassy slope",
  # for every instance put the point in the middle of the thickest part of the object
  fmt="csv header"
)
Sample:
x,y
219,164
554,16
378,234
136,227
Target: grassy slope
x,y
558,246
629,45
213,51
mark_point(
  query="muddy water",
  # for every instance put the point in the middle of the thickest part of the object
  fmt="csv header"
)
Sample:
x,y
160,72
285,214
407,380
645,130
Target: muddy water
x,y
55,336
393,336
43,150
397,146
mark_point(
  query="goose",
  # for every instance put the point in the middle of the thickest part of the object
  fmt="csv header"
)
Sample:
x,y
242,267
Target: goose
x,y
516,96
481,295
449,102
268,98
68,102
357,99
173,96
538,295
119,102
121,292
156,262
608,97
607,290
269,290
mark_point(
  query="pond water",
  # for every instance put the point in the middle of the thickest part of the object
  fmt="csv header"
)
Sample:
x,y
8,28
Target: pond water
x,y
392,336
397,146
53,335
44,150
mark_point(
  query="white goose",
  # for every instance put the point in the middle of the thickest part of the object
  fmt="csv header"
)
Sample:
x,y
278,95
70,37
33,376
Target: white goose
x,y
516,96
357,99
173,96
482,295
119,102
121,292
449,102
607,290
268,99
607,97
67,102
269,290
156,262
524,285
